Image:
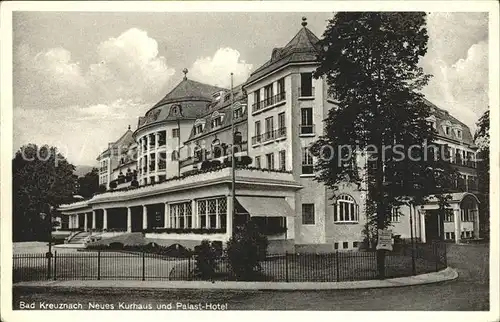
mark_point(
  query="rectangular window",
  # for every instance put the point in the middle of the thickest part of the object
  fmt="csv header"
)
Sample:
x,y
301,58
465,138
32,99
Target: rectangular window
x,y
213,213
308,214
283,160
448,216
180,215
307,161
269,128
306,120
281,125
345,245
335,245
395,215
268,95
175,133
355,244
257,162
257,131
270,161
256,100
238,113
306,89
281,87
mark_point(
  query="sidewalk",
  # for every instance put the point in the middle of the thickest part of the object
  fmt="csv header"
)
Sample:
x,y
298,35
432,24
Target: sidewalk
x,y
447,274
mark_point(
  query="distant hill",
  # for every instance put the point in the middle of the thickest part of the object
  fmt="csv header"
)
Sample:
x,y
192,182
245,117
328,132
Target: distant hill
x,y
81,170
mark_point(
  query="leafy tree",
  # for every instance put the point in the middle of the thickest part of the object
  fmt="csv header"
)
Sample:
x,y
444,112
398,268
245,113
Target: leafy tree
x,y
89,184
206,256
370,61
42,179
246,248
482,139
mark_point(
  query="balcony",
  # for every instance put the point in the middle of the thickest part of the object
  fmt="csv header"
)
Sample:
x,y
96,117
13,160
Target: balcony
x,y
306,92
269,136
270,101
306,129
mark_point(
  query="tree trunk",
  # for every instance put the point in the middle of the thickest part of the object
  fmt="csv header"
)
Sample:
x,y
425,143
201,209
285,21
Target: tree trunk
x,y
379,185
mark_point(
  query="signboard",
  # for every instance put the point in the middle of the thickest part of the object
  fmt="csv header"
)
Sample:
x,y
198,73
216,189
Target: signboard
x,y
384,239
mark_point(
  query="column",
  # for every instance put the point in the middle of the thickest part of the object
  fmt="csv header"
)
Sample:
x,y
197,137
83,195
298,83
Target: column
x,y
476,222
75,220
194,212
422,225
86,222
457,220
229,217
93,220
129,219
166,217
70,223
104,218
144,217
157,139
148,149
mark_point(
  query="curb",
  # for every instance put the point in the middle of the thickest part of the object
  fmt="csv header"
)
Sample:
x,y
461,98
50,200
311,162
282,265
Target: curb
x,y
448,274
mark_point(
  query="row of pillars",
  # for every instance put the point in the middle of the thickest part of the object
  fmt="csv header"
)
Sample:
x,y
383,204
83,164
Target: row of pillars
x,y
457,219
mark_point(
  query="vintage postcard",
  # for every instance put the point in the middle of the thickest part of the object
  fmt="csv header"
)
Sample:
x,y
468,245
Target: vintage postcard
x,y
173,158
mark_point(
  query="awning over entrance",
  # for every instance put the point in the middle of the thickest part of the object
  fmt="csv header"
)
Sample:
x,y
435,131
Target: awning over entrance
x,y
266,206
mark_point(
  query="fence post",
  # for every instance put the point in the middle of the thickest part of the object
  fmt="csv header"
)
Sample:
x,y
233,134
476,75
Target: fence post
x,y
143,266
337,265
189,268
286,266
445,255
98,265
436,256
55,264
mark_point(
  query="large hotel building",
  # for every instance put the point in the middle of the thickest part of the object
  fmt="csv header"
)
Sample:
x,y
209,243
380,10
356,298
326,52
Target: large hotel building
x,y
171,177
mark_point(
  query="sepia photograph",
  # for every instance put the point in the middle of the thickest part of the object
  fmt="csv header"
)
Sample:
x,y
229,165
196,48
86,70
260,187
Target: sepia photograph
x,y
179,158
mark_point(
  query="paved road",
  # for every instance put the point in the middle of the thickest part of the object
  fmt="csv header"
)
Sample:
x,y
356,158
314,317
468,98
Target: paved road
x,y
470,292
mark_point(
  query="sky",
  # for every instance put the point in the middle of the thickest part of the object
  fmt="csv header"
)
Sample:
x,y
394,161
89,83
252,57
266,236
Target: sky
x,y
81,78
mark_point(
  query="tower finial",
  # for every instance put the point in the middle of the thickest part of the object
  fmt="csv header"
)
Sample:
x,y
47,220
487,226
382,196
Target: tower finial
x,y
129,126
185,71
304,21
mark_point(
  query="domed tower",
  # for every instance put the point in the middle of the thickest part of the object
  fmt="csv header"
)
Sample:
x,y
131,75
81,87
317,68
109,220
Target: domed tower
x,y
163,129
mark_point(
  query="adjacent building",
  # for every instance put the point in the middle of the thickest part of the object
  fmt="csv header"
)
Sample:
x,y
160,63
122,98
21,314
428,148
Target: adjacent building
x,y
171,178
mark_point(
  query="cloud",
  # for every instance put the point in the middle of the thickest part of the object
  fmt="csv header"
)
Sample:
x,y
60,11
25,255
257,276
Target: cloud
x,y
129,67
216,70
82,132
458,60
125,67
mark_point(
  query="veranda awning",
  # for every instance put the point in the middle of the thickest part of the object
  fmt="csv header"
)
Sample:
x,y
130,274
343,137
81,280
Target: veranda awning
x,y
266,206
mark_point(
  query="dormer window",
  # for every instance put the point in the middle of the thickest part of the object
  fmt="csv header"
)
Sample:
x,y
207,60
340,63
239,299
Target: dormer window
x,y
447,127
199,125
217,95
217,119
238,113
198,129
217,122
227,97
458,133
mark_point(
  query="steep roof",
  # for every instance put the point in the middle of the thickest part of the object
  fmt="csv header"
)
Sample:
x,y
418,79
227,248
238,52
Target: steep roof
x,y
189,90
222,106
302,48
443,116
188,100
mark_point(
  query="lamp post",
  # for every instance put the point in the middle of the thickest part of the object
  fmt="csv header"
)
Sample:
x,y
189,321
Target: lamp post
x,y
48,255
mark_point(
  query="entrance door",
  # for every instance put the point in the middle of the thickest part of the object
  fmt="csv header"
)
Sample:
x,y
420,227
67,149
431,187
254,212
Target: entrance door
x,y
136,220
434,226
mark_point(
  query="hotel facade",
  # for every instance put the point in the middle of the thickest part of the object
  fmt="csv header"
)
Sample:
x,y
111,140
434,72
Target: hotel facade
x,y
171,178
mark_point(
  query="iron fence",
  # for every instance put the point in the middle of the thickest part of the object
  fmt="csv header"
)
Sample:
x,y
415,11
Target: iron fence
x,y
338,266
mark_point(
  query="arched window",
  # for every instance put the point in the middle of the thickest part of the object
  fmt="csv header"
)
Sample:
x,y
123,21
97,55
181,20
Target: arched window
x,y
345,209
238,138
175,155
197,153
216,149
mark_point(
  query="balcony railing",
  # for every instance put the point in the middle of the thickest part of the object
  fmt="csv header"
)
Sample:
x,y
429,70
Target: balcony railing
x,y
306,129
306,91
268,102
270,135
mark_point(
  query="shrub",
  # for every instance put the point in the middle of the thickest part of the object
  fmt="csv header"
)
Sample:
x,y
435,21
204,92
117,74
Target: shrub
x,y
205,260
116,245
245,250
112,185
